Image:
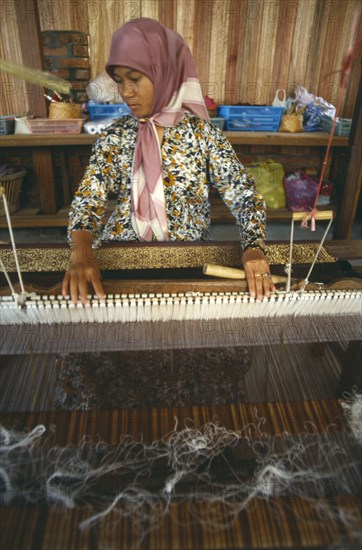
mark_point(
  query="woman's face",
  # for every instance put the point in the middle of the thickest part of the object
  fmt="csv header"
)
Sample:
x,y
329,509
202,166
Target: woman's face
x,y
136,89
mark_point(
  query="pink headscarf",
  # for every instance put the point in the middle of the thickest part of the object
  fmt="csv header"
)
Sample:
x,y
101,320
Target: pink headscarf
x,y
161,54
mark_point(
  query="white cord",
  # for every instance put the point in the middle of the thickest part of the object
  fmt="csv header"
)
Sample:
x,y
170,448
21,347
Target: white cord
x,y
289,265
3,268
7,214
306,280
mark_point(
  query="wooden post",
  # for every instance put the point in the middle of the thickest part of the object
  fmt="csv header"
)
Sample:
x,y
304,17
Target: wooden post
x,y
31,48
352,187
43,168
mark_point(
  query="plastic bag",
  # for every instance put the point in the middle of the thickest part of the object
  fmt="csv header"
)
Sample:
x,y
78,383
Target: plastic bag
x,y
277,102
104,90
21,125
301,191
268,177
292,123
303,97
312,119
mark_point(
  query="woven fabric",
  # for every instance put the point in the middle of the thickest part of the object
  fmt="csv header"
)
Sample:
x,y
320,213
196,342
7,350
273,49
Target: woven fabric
x,y
156,378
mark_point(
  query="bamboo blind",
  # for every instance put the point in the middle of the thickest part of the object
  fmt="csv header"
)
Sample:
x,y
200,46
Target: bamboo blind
x,y
244,49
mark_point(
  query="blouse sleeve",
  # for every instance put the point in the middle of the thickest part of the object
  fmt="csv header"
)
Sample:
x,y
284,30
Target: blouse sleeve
x,y
90,200
237,189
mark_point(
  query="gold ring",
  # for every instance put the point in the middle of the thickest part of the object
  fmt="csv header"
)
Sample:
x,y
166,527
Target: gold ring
x,y
257,275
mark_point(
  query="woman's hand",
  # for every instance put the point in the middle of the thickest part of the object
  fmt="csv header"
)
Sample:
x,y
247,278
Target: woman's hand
x,y
83,271
78,277
257,273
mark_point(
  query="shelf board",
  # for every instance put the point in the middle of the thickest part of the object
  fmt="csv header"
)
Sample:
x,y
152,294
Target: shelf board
x,y
32,217
303,139
221,214
45,140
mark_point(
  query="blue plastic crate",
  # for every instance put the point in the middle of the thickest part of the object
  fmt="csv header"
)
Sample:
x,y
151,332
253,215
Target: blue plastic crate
x,y
102,111
7,125
343,126
251,118
218,122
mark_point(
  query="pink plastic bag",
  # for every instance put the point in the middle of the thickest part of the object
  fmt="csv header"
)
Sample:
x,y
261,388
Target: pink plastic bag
x,y
301,191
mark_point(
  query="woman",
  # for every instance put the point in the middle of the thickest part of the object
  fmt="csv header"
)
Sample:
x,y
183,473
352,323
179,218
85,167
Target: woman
x,y
160,161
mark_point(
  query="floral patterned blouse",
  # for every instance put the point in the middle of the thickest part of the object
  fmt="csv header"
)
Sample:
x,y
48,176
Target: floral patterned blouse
x,y
194,154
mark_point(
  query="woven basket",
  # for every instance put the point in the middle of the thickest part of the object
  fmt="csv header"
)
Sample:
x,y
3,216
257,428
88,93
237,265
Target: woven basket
x,y
64,111
12,187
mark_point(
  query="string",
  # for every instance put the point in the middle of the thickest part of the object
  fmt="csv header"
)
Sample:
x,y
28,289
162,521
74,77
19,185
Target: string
x,y
3,269
348,57
289,265
12,240
306,280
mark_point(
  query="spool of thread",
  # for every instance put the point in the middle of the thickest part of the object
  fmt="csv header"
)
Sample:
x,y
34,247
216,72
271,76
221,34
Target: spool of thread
x,y
62,111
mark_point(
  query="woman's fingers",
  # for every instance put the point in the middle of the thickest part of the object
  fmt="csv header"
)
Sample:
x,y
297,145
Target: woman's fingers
x,y
65,285
83,290
258,278
74,287
76,282
97,285
259,285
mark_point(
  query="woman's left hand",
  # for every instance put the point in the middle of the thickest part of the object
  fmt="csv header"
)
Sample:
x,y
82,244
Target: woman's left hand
x,y
257,273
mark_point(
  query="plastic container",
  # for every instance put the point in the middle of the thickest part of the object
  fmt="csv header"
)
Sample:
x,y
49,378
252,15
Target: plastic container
x,y
343,126
47,126
102,111
219,122
7,125
251,118
12,185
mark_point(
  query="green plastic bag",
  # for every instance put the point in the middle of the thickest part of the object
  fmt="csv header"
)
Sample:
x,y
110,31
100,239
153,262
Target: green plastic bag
x,y
269,181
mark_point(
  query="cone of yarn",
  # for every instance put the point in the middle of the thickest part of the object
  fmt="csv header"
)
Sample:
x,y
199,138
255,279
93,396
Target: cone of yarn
x,y
64,111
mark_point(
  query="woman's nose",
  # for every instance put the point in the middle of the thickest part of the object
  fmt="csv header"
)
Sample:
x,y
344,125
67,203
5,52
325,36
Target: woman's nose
x,y
129,90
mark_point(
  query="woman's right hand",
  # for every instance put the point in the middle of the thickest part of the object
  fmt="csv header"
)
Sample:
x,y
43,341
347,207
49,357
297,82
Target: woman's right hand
x,y
83,271
77,279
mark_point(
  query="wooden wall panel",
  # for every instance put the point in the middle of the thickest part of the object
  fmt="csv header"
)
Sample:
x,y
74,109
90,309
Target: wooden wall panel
x,y
217,55
185,16
285,30
244,49
234,54
12,90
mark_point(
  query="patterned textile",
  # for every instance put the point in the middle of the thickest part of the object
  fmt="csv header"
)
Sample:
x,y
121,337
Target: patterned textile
x,y
161,378
145,45
194,154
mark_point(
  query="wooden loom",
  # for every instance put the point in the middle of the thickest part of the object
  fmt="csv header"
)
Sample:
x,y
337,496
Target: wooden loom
x,y
278,521
155,282
284,522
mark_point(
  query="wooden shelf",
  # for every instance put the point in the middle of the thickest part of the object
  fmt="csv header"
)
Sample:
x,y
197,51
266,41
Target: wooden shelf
x,y
303,139
220,214
46,140
32,217
306,139
43,146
